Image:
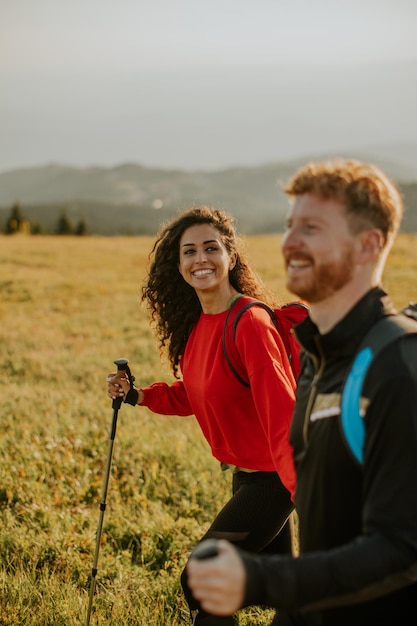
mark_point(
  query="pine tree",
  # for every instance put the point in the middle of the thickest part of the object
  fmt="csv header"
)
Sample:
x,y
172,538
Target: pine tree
x,y
64,225
17,223
81,229
36,228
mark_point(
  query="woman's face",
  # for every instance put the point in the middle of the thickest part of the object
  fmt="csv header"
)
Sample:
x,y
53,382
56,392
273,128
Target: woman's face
x,y
204,262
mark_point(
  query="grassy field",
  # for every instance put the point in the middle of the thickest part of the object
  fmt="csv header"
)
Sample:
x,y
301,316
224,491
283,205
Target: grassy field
x,y
68,308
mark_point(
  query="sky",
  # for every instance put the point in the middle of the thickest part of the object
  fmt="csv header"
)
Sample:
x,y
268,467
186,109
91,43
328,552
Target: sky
x,y
203,84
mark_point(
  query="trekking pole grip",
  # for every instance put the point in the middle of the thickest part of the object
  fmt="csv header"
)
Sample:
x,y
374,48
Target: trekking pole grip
x,y
122,366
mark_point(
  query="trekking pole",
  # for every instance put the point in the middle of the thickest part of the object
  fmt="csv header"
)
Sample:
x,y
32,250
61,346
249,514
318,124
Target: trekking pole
x,y
122,365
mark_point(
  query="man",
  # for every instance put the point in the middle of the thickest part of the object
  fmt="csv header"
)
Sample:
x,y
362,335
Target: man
x,y
357,523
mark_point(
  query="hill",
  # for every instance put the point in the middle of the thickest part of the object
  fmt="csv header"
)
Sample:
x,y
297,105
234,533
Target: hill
x,y
134,199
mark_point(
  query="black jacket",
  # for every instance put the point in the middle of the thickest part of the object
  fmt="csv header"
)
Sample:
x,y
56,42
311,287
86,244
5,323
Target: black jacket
x,y
358,524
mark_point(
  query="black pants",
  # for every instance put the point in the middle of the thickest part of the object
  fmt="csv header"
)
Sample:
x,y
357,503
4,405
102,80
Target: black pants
x,y
254,519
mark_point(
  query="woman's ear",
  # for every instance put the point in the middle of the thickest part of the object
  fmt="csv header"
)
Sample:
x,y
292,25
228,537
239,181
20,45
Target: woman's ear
x,y
233,260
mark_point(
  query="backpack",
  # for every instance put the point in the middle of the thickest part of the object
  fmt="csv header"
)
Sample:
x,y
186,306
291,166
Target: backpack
x,y
284,319
384,332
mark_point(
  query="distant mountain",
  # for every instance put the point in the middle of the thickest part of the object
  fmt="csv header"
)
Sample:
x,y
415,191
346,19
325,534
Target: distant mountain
x,y
399,155
132,198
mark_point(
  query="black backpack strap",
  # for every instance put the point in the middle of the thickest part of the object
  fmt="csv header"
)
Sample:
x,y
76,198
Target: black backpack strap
x,y
385,331
229,331
410,310
247,306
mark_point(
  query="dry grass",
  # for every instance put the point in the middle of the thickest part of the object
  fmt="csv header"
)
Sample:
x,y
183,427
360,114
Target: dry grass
x,y
68,308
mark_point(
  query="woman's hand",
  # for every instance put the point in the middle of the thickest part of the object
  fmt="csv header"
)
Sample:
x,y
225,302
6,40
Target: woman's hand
x,y
117,384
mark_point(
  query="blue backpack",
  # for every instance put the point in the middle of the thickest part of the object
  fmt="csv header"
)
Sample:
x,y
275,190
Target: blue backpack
x,y
387,330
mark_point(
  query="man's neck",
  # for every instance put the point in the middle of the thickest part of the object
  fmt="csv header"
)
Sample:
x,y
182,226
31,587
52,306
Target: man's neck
x,y
327,313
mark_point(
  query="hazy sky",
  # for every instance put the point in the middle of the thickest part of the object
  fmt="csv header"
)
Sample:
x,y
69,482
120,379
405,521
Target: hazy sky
x,y
203,83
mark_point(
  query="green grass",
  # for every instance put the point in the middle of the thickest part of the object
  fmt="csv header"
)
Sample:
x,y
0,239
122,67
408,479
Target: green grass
x,y
68,308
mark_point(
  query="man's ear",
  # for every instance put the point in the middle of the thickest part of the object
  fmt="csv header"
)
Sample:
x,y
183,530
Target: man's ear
x,y
371,243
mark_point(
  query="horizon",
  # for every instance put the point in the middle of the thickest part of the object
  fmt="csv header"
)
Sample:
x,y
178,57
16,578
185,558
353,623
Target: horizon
x,y
404,154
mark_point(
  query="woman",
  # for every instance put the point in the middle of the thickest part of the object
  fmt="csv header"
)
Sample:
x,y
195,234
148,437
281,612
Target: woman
x,y
197,269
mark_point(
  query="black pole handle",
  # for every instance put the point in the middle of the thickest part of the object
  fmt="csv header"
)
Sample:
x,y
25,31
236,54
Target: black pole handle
x,y
122,366
207,549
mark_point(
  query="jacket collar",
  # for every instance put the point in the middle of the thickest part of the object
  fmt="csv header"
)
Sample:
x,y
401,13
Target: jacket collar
x,y
345,337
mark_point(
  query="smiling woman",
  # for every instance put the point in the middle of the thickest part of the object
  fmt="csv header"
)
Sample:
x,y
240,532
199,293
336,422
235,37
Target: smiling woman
x,y
197,269
205,265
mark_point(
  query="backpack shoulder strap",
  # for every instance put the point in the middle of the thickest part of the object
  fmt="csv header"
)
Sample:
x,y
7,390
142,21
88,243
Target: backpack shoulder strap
x,y
283,318
237,308
247,305
386,331
288,316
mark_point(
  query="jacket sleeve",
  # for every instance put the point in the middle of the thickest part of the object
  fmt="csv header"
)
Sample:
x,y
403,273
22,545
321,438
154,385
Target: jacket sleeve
x,y
272,385
360,571
383,557
167,399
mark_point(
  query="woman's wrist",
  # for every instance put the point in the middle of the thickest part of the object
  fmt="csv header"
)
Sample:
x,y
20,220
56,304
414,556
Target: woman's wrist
x,y
132,397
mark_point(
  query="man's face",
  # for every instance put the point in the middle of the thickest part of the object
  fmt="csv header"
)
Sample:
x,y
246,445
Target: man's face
x,y
318,248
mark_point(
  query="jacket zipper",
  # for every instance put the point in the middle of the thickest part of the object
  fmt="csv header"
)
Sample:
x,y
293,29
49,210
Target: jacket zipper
x,y
319,367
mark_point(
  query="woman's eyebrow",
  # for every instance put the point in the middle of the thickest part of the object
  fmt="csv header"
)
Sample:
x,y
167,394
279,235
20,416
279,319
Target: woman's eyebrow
x,y
204,243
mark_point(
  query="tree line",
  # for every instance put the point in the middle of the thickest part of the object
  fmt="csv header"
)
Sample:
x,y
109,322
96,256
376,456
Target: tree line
x,y
18,223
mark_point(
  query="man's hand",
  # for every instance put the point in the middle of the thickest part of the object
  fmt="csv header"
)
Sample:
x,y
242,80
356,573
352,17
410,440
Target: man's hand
x,y
218,583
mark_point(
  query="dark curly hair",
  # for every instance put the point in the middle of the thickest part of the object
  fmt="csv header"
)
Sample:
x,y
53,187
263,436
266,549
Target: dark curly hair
x,y
173,304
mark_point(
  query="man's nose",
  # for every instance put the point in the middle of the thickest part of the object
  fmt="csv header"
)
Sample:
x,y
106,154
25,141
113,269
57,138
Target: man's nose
x,y
290,239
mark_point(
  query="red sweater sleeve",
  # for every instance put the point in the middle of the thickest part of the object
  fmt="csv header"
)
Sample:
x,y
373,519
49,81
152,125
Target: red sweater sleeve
x,y
167,399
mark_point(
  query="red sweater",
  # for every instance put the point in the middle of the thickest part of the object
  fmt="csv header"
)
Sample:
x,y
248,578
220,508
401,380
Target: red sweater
x,y
244,427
